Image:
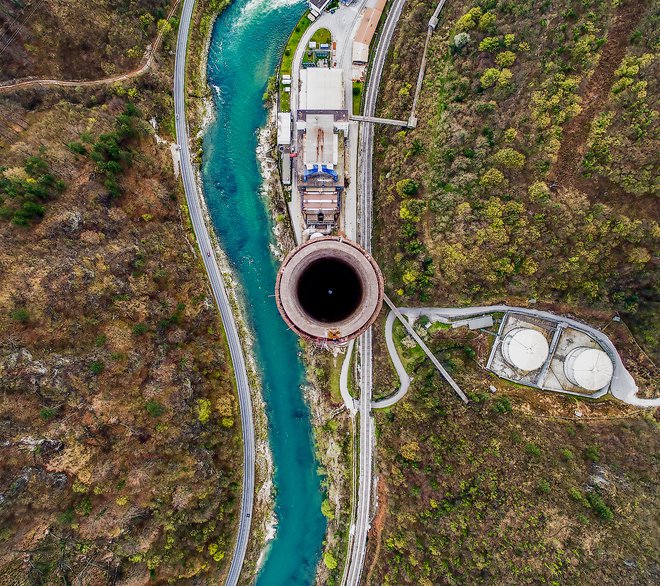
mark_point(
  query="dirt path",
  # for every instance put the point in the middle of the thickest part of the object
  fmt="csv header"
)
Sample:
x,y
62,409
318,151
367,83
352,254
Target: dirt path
x,y
576,132
377,527
147,62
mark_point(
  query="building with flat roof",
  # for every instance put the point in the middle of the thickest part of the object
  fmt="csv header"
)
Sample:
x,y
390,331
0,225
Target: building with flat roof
x,y
322,126
321,89
316,7
284,128
365,34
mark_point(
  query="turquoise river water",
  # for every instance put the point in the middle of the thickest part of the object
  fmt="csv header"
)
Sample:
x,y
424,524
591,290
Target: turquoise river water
x,y
247,42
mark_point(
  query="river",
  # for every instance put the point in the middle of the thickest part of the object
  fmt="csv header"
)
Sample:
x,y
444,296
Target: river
x,y
247,42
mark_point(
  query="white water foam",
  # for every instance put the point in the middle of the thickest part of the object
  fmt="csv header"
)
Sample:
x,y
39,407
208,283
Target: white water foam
x,y
258,8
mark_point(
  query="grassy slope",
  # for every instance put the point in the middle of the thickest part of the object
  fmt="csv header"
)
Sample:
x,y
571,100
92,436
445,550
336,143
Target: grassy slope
x,y
465,498
478,496
133,479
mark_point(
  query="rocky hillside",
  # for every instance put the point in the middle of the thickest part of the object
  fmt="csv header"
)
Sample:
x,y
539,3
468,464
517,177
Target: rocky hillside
x,y
119,443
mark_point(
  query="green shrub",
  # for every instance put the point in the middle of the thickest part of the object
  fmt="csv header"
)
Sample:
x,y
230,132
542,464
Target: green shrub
x,y
22,198
110,152
97,367
204,410
533,450
469,20
505,58
510,158
407,187
84,507
487,21
543,486
577,496
77,147
329,561
492,178
20,315
47,413
139,329
592,453
598,505
490,44
489,77
154,408
326,509
67,517
502,405
539,192
567,455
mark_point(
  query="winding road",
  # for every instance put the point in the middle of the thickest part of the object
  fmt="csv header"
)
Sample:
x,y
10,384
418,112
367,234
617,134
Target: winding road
x,y
193,197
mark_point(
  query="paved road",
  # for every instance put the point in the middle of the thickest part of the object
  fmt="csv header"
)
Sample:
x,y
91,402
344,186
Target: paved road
x,y
357,547
193,197
398,365
415,336
148,60
349,401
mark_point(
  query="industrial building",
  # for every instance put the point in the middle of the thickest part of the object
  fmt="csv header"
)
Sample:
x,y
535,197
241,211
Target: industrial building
x,y
364,36
284,125
316,8
322,128
550,355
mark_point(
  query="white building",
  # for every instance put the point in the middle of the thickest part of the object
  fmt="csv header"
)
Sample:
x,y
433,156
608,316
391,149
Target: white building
x,y
322,127
284,128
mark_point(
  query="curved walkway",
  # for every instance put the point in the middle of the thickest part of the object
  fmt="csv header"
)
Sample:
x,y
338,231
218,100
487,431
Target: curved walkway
x,y
148,59
349,401
193,197
398,365
622,387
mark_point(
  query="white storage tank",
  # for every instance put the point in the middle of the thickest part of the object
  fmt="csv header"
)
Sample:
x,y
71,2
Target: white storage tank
x,y
588,368
525,349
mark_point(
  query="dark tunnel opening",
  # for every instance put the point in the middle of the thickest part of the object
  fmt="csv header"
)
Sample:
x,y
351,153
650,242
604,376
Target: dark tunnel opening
x,y
329,290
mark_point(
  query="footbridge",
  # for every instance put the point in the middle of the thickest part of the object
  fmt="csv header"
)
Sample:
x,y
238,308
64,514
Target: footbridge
x,y
403,123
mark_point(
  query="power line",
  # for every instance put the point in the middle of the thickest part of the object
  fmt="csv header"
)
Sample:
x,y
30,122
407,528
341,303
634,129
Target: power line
x,y
20,26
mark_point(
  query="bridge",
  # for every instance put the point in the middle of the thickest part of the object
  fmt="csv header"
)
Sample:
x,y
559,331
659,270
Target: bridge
x,y
410,123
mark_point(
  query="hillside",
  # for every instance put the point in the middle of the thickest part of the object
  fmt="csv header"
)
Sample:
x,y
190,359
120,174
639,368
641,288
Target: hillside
x,y
512,489
121,450
531,172
531,178
64,40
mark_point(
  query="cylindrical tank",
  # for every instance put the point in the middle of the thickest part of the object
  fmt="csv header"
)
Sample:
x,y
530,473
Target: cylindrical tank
x,y
329,290
525,349
588,368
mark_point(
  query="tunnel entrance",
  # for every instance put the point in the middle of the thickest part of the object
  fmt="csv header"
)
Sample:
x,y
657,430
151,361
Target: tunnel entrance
x,y
329,290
